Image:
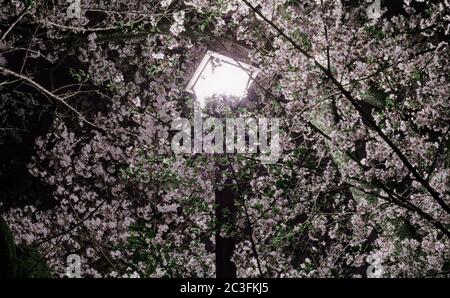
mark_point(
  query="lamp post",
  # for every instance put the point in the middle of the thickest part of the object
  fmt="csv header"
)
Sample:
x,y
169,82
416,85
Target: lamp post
x,y
221,75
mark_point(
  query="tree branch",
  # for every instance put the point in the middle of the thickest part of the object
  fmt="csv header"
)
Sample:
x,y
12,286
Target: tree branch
x,y
25,11
48,93
353,101
247,216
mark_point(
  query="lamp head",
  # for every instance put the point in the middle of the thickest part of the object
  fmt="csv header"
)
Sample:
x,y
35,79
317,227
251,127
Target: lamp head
x,y
221,75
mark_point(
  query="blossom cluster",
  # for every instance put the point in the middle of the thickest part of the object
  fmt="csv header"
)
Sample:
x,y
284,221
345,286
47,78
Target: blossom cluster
x,y
364,119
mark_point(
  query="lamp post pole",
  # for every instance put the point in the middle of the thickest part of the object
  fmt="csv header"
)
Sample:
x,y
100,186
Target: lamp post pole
x,y
225,210
219,74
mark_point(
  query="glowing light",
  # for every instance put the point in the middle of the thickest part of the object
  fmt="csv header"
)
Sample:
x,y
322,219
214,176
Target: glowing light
x,y
221,75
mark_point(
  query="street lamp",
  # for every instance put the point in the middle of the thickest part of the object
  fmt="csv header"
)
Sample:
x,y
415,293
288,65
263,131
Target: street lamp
x,y
221,75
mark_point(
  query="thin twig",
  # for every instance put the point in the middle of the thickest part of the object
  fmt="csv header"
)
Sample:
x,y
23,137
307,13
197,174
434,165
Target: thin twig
x,y
48,93
247,216
441,144
25,11
72,227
